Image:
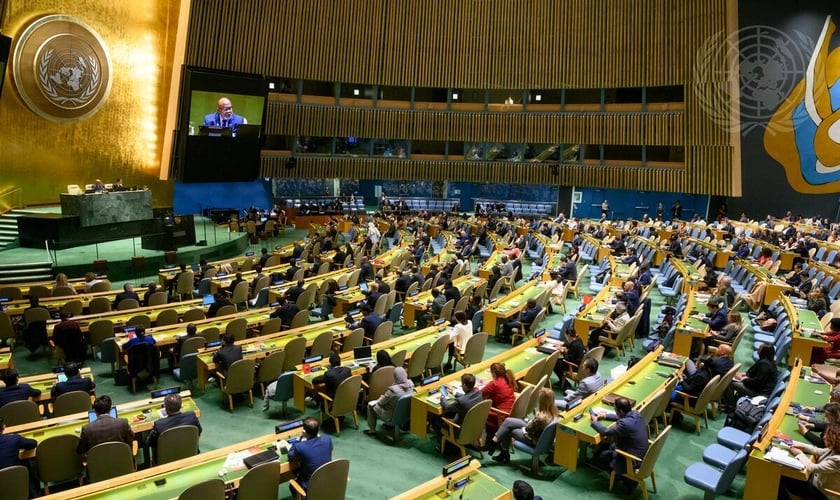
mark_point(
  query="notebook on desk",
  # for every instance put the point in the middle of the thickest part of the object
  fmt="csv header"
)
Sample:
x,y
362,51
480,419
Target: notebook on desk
x,y
261,458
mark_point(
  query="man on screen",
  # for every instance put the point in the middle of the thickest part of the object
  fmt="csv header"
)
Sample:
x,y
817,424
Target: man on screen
x,y
224,117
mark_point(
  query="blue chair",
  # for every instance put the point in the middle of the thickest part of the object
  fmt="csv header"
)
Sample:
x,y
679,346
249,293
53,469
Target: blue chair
x,y
285,389
543,446
187,370
714,481
401,416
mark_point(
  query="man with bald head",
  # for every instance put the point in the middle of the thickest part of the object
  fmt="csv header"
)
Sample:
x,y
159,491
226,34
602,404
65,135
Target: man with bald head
x,y
224,116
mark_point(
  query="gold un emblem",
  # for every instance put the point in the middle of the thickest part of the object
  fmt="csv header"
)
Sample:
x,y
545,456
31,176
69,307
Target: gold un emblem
x,y
62,68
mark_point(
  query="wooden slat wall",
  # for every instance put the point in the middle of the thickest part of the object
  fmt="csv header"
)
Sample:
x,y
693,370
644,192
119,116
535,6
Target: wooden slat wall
x,y
506,44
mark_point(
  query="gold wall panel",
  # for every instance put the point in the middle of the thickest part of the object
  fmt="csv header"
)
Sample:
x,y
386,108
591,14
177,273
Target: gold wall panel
x,y
491,44
663,129
124,138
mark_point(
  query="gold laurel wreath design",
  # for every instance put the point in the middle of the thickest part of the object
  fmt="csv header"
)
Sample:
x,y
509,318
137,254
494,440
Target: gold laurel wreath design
x,y
50,90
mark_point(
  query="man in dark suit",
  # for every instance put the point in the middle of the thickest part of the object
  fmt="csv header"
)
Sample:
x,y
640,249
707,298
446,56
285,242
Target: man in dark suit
x,y
294,292
573,352
370,320
68,336
631,297
457,410
74,382
10,447
286,312
15,391
373,295
228,353
292,270
366,270
333,377
127,293
629,434
149,291
174,418
237,280
105,428
220,302
568,271
716,318
224,116
310,453
252,287
402,284
451,292
526,317
297,250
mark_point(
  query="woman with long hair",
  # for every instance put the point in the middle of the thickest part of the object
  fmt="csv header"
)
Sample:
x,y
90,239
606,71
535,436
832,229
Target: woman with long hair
x,y
500,392
525,430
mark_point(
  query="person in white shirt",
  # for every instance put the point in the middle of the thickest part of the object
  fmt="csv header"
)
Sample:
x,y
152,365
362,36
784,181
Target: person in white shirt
x,y
460,334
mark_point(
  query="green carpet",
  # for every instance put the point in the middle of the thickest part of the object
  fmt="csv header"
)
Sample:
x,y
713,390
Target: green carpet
x,y
380,469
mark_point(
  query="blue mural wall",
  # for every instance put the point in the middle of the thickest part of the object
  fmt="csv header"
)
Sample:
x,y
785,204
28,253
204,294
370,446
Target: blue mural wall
x,y
192,198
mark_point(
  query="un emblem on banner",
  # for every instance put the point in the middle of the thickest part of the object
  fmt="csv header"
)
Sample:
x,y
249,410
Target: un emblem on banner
x,y
62,68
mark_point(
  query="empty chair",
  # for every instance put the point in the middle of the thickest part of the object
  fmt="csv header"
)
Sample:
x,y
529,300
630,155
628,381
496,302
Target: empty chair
x,y
272,325
187,369
436,354
328,482
260,483
322,345
211,489
353,340
57,460
99,305
345,402
139,320
194,314
15,481
71,402
239,379
157,298
226,310
240,295
295,349
696,406
417,363
73,307
300,319
11,292
184,286
714,481
109,460
238,328
176,443
107,352
126,304
270,368
20,412
474,350
382,333
166,317
543,446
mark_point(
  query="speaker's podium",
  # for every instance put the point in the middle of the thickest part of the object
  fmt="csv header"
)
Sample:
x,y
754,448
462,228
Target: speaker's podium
x,y
168,232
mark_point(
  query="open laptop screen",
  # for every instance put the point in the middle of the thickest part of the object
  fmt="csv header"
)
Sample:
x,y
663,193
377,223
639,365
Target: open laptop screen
x,y
363,352
92,414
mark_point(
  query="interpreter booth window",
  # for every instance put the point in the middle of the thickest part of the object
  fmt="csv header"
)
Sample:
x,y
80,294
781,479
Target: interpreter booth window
x,y
505,152
502,100
317,92
621,153
428,150
432,98
456,150
391,148
474,151
544,100
665,154
353,94
670,93
279,142
314,145
553,153
582,99
468,99
390,97
353,146
624,96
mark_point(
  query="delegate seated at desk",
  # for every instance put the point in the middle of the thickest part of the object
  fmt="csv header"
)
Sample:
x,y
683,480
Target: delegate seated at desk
x,y
310,452
174,418
105,428
224,116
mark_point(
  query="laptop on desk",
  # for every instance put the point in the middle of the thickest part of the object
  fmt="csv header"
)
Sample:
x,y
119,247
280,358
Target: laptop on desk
x,y
362,356
92,416
208,299
364,287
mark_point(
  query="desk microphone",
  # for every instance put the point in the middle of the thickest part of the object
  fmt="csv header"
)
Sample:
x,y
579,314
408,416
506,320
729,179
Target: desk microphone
x,y
461,496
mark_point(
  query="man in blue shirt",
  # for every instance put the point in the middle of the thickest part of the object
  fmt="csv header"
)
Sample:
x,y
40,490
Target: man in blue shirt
x,y
310,453
139,337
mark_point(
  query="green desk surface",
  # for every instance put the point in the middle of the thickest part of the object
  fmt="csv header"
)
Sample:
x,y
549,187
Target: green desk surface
x,y
495,258
166,335
5,359
806,394
121,317
808,320
17,307
388,257
516,299
461,283
480,486
179,480
645,382
130,412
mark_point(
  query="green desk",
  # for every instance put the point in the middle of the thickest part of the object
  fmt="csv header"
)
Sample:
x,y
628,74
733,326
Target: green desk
x,y
139,420
54,304
440,260
480,485
486,269
302,383
259,348
639,383
385,260
181,474
280,290
346,300
119,318
804,342
594,313
6,360
44,382
518,359
690,327
509,307
413,306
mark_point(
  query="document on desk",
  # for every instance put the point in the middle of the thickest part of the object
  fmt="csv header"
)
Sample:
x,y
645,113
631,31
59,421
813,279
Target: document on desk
x,y
782,456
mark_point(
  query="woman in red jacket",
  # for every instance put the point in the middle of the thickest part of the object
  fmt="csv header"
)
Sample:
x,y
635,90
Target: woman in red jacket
x,y
500,392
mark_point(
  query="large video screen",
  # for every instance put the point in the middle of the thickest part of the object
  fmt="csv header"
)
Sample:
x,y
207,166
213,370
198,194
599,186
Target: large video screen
x,y
220,126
